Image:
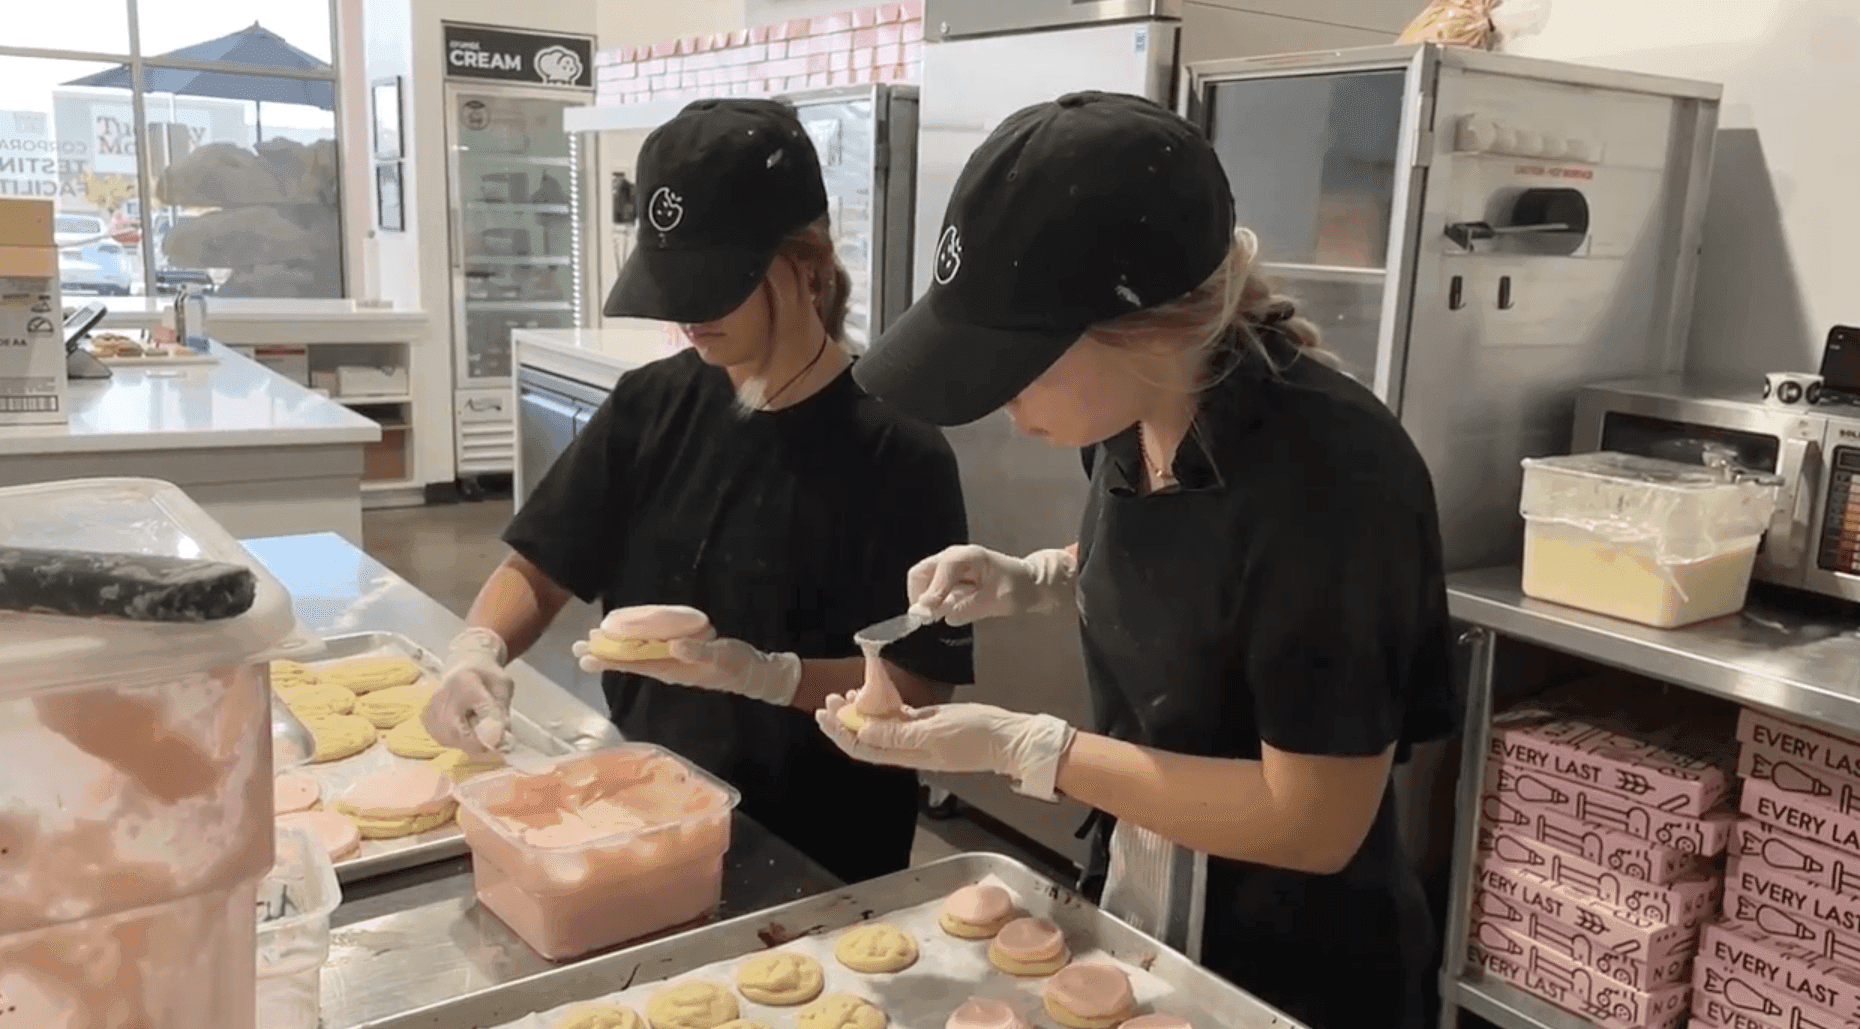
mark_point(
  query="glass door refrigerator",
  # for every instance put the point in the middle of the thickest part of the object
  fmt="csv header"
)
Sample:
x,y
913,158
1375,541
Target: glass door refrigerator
x,y
519,228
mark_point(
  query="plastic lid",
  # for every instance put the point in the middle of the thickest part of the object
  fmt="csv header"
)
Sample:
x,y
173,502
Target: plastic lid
x,y
135,516
1684,512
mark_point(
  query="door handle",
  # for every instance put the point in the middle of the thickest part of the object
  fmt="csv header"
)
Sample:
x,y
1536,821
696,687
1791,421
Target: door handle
x,y
1795,512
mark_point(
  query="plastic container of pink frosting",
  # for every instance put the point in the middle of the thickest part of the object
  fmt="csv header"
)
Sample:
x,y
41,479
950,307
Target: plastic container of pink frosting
x,y
607,847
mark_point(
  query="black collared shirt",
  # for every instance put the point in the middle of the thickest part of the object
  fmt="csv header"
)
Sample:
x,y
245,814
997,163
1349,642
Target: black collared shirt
x,y
1288,591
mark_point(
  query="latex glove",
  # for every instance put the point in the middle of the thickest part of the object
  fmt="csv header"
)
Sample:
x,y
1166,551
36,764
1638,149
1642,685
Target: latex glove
x,y
959,738
727,665
471,711
967,583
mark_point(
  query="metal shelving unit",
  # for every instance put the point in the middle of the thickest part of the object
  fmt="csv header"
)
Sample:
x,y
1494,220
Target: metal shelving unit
x,y
1794,654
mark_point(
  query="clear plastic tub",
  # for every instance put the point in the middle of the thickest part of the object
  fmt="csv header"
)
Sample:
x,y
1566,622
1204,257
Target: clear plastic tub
x,y
135,797
644,854
1650,541
294,904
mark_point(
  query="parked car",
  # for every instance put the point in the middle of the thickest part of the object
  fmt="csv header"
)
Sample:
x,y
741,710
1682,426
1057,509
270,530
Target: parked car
x,y
89,258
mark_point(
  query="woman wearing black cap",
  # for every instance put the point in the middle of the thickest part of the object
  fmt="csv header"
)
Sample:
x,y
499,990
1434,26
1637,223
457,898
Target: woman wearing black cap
x,y
1258,571
748,477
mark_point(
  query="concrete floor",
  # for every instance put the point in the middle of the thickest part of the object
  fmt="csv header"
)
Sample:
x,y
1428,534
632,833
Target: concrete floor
x,y
448,551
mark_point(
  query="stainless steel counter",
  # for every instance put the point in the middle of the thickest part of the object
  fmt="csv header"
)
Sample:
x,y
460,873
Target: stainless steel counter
x,y
418,937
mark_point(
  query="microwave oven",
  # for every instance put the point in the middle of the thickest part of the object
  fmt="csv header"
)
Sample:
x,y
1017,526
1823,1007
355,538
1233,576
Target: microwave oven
x,y
1813,542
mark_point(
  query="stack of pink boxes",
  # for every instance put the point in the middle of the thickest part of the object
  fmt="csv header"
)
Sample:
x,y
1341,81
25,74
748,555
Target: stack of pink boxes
x,y
1787,955
1604,805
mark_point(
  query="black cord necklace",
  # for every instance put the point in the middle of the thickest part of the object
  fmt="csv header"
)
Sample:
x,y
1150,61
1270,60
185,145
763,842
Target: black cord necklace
x,y
768,402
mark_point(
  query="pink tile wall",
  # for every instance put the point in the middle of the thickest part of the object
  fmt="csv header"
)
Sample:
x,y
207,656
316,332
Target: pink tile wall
x,y
879,43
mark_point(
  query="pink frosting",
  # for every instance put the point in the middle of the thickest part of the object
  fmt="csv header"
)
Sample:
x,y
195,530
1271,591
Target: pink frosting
x,y
1091,990
408,790
291,793
878,698
979,905
1159,1020
339,835
654,622
985,1013
1030,940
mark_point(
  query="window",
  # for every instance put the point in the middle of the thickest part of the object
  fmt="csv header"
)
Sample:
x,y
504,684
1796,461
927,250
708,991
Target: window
x,y
207,158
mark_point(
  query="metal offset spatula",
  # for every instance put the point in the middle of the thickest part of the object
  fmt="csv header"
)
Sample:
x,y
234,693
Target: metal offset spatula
x,y
891,630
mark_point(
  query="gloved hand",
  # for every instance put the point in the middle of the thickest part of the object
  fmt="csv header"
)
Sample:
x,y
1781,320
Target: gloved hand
x,y
728,665
959,738
967,583
471,711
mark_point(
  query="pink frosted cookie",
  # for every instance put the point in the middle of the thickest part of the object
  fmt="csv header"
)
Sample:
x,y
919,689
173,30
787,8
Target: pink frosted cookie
x,y
877,699
985,1013
1029,946
340,837
645,632
1158,1021
976,912
294,793
1089,996
399,802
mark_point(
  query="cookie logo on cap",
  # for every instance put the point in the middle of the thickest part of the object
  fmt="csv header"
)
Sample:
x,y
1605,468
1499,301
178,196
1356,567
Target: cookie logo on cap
x,y
666,209
948,256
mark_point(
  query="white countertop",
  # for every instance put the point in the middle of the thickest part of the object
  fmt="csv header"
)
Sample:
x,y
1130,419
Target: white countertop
x,y
235,403
596,356
140,312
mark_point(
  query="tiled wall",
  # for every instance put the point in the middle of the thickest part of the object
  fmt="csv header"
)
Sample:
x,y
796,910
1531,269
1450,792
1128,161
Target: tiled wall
x,y
882,43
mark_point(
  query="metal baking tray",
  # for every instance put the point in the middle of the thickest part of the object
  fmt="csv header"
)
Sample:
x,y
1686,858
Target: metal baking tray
x,y
378,857
920,997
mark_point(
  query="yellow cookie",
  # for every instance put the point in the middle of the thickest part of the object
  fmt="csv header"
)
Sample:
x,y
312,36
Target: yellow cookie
x,y
780,978
461,766
743,1023
339,736
841,1011
876,948
410,739
367,674
389,707
384,827
601,1016
607,648
317,699
692,1005
292,673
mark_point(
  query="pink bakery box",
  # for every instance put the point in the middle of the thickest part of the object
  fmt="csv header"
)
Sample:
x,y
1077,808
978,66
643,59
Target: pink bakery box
x,y
1652,759
1569,943
1800,973
1706,835
1771,915
1633,857
1779,903
1811,862
1686,900
1798,775
1817,748
1542,972
1510,894
1803,814
1726,994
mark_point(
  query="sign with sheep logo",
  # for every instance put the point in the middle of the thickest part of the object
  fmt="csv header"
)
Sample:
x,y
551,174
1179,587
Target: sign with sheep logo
x,y
507,55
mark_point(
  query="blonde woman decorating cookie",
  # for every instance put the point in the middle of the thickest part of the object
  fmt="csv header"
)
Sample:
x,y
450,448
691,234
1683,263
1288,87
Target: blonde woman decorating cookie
x,y
1257,574
749,478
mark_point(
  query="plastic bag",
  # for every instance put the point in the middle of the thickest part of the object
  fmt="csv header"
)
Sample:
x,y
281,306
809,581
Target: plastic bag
x,y
1466,23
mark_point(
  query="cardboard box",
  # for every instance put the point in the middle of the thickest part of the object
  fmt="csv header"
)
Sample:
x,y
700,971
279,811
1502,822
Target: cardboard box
x,y
1636,858
1724,993
1543,973
1567,942
1691,898
26,223
1706,835
290,360
32,338
1510,895
1802,815
28,262
1659,759
1813,863
1779,903
1806,748
1797,775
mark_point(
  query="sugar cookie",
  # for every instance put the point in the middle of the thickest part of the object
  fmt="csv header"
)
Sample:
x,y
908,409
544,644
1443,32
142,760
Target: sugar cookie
x,y
410,739
292,673
841,1011
600,1016
339,736
876,948
692,1005
877,697
389,707
1159,1020
645,632
460,766
293,793
367,674
338,835
1089,996
317,699
398,802
985,1013
1029,946
743,1023
780,978
977,911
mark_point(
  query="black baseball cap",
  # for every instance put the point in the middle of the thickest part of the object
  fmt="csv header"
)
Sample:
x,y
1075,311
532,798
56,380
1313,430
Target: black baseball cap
x,y
721,186
1071,213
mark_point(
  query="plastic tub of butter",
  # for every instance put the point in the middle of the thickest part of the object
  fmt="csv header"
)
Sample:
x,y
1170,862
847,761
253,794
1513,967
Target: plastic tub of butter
x,y
607,847
294,904
1656,542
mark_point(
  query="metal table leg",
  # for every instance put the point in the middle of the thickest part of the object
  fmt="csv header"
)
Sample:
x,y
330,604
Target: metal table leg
x,y
1475,742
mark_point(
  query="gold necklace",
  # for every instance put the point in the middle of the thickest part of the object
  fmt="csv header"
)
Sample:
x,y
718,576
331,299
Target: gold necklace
x,y
1157,472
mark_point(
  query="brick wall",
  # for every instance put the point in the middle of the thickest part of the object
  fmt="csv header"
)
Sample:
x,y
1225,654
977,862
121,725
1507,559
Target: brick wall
x,y
882,43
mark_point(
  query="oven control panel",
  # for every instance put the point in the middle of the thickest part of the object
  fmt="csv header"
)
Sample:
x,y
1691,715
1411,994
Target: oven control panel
x,y
1840,521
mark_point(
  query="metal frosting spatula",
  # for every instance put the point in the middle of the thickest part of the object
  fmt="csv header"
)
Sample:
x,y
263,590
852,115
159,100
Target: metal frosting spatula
x,y
891,630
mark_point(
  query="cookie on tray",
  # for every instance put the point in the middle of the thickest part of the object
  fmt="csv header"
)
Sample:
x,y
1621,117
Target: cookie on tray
x,y
876,948
339,736
692,1005
780,979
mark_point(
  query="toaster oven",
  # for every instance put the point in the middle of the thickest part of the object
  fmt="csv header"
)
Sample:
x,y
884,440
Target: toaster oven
x,y
1813,542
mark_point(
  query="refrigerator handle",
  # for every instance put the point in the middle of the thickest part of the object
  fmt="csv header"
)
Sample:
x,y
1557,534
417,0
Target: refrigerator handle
x,y
456,245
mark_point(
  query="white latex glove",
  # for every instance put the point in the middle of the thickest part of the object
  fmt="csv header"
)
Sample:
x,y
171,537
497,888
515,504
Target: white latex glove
x,y
959,738
967,583
471,711
727,665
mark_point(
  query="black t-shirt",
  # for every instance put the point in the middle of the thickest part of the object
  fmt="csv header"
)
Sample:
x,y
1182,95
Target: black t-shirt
x,y
1289,590
792,529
